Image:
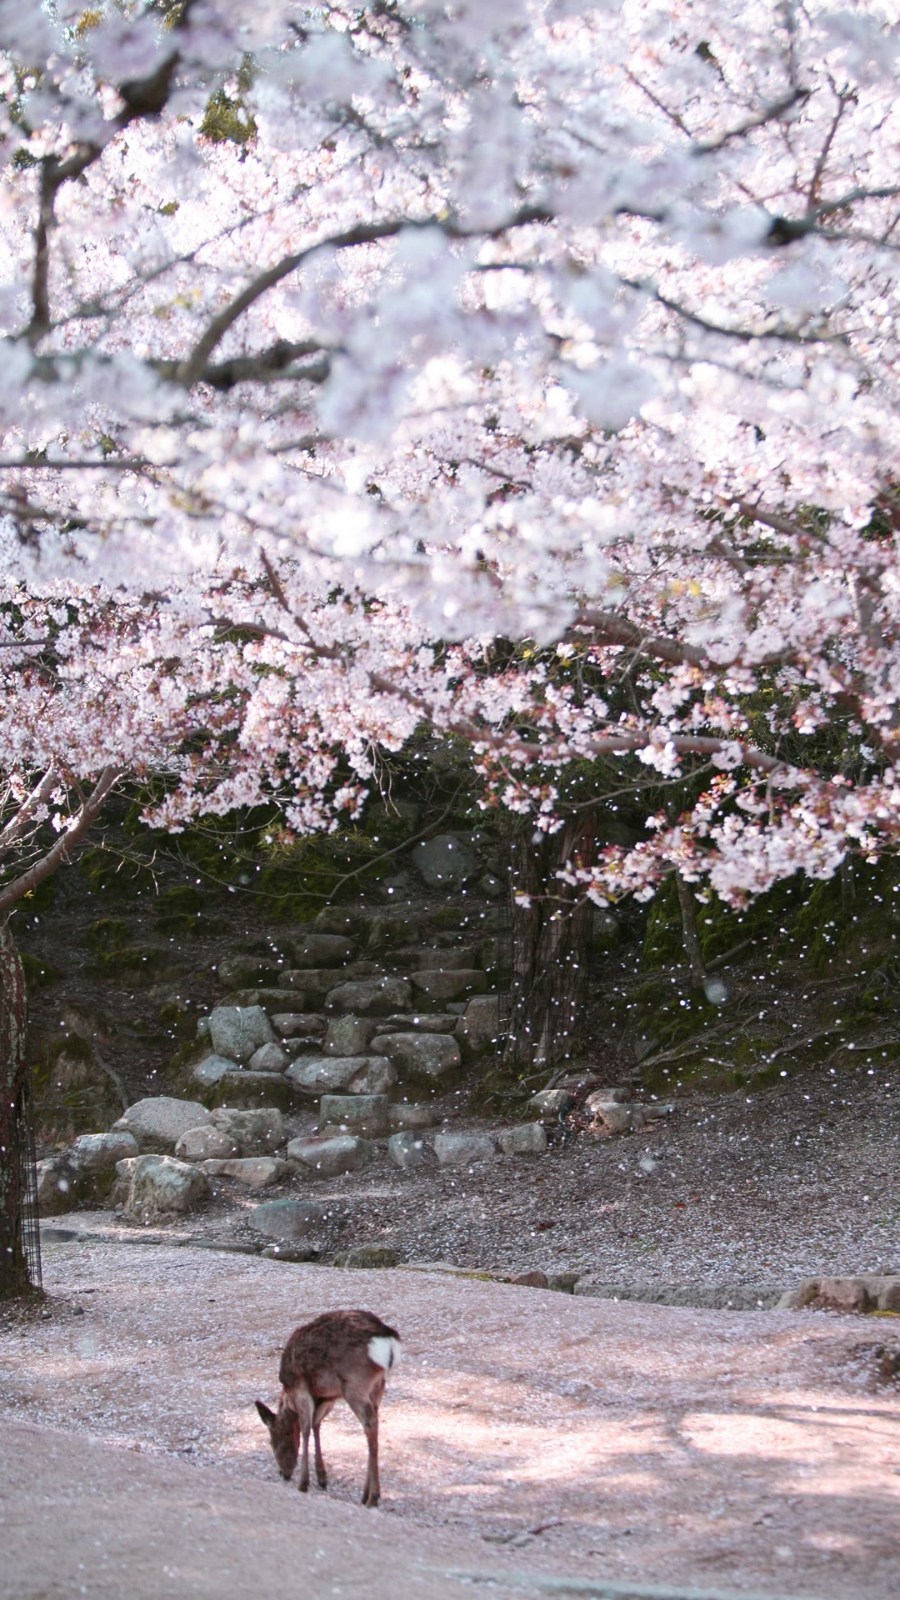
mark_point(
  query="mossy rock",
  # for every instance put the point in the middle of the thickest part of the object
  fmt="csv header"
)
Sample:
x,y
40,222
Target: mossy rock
x,y
184,898
186,925
367,1255
73,1093
39,974
251,1090
453,917
109,934
136,964
391,823
110,877
295,884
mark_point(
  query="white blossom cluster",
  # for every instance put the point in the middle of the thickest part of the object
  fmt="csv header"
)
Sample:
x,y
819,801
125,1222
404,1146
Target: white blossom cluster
x,y
527,370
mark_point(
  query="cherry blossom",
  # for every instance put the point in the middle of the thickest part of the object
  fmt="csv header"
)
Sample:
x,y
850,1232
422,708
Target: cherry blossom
x,y
528,371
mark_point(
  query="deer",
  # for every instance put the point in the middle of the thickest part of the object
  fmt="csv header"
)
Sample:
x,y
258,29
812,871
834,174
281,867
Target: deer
x,y
340,1355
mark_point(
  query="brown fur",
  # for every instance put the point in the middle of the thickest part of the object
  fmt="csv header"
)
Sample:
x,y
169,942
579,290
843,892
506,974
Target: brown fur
x,y
325,1361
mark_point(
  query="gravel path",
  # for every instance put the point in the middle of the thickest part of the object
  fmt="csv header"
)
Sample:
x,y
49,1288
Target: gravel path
x,y
524,1431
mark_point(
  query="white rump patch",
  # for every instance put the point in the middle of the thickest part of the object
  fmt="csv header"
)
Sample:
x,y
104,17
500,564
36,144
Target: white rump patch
x,y
383,1351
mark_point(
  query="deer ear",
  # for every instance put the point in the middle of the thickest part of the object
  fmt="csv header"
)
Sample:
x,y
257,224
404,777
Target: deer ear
x,y
266,1416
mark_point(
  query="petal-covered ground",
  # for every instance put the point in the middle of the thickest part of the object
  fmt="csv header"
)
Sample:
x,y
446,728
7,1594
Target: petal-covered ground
x,y
524,1431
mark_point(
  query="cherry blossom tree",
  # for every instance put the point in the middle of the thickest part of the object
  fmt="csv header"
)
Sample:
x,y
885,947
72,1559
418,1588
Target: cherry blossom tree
x,y
380,334
528,370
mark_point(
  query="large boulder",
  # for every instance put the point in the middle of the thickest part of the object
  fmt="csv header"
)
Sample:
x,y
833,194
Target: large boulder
x,y
206,1144
159,1186
322,950
271,999
158,1122
439,986
446,861
99,1152
431,1059
355,1113
252,1132
528,1139
349,923
238,1031
348,1035
287,1219
550,1104
389,933
870,1291
370,997
463,1149
317,1075
83,1174
329,1157
478,1029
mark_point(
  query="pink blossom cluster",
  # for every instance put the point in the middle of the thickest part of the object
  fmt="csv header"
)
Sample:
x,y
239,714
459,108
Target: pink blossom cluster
x,y
527,371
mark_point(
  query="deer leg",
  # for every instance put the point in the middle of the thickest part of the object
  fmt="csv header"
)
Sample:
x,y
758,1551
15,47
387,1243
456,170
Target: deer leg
x,y
322,1409
363,1402
304,1415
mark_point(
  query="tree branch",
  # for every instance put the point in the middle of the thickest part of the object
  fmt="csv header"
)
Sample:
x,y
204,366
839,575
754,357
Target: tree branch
x,y
60,853
192,369
38,797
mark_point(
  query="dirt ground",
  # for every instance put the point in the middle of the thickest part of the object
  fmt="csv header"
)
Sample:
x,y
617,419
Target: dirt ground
x,y
611,1445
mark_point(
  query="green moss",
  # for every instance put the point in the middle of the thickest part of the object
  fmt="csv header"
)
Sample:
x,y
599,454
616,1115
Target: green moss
x,y
184,925
389,823
108,934
71,1045
38,974
227,121
73,1094
111,877
134,964
298,880
185,898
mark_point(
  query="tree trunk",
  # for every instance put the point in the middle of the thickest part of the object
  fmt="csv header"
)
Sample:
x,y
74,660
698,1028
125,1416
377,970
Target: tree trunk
x,y
16,1155
688,908
549,951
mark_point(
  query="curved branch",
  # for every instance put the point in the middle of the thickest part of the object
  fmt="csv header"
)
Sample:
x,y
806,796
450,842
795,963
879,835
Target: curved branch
x,y
61,852
192,369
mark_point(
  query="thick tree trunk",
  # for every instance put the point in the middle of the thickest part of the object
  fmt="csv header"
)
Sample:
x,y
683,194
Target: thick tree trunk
x,y
15,1128
549,951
